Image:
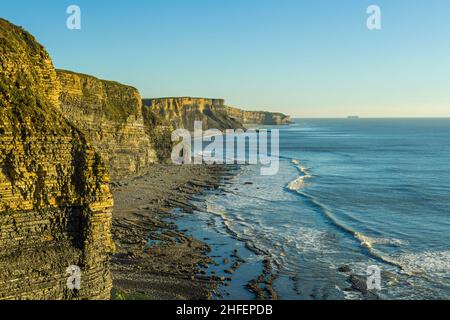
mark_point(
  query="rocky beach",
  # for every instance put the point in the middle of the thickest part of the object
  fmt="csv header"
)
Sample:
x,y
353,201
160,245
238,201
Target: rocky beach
x,y
154,259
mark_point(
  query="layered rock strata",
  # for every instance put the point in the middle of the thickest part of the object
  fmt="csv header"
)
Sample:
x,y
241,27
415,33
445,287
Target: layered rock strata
x,y
184,111
110,114
55,202
258,117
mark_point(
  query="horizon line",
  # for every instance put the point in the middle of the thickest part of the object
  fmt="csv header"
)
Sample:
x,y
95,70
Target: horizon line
x,y
373,117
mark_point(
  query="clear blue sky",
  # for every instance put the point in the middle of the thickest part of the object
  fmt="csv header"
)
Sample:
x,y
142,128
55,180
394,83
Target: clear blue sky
x,y
305,58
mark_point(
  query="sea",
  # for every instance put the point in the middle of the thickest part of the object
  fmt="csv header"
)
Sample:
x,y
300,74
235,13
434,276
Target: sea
x,y
353,193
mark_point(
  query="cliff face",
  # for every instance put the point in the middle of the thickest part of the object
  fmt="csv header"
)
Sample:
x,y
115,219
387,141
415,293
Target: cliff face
x,y
183,112
258,117
55,202
212,112
159,132
110,114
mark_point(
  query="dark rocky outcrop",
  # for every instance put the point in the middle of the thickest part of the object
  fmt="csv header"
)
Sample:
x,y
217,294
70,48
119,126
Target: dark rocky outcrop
x,y
55,202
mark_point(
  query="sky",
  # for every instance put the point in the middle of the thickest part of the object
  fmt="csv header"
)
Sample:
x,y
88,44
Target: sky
x,y
306,58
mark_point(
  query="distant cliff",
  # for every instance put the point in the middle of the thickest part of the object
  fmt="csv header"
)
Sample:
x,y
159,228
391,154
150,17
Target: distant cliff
x,y
111,116
184,111
131,134
55,202
258,117
213,113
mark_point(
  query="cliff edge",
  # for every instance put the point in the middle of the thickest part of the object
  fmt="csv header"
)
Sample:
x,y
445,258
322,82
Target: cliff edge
x,y
110,114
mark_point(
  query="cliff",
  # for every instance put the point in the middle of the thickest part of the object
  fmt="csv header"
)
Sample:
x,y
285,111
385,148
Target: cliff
x,y
258,117
55,202
184,111
213,113
110,114
159,131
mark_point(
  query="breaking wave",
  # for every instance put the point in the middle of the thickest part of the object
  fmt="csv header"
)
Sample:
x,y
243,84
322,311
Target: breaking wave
x,y
436,262
365,241
299,182
263,240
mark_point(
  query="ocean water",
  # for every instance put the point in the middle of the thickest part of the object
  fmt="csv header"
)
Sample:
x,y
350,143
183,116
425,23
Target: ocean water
x,y
354,192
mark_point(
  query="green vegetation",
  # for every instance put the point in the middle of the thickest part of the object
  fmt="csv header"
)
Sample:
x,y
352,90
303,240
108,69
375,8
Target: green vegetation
x,y
117,102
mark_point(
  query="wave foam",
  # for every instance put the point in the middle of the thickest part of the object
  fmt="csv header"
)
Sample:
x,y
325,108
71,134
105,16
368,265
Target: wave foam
x,y
427,262
368,242
298,183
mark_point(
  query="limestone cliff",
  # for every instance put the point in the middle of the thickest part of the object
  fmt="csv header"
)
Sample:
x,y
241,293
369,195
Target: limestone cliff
x,y
111,116
55,202
159,132
212,112
184,111
258,117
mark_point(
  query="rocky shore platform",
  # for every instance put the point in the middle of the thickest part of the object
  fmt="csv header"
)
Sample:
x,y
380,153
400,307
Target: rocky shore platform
x,y
153,259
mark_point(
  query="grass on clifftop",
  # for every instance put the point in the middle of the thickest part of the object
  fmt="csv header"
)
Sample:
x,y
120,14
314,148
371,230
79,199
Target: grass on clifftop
x,y
118,101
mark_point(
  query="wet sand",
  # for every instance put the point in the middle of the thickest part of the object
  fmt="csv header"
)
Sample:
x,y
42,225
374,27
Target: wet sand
x,y
155,260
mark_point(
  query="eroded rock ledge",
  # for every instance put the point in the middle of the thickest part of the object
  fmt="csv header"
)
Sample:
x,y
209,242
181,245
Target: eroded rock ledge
x,y
55,202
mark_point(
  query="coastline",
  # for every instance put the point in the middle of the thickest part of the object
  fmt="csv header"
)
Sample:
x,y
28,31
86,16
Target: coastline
x,y
55,186
154,259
